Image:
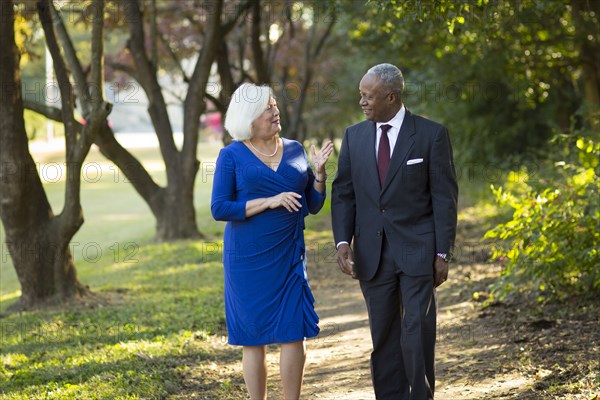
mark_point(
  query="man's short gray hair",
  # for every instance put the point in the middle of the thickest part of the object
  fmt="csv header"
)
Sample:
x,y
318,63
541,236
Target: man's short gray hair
x,y
247,103
390,76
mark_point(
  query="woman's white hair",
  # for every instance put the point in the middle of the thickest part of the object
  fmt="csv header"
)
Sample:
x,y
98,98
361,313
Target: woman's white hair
x,y
247,103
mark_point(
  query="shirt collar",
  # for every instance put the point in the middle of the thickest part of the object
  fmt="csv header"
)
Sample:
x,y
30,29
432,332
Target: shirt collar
x,y
396,121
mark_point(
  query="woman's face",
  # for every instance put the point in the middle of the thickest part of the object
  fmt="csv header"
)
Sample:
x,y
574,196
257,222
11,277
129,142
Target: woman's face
x,y
268,123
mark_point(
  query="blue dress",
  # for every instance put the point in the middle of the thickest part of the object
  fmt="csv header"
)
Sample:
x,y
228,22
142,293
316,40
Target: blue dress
x,y
267,296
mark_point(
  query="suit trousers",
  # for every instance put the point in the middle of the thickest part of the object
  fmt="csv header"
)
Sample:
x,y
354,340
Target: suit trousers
x,y
402,317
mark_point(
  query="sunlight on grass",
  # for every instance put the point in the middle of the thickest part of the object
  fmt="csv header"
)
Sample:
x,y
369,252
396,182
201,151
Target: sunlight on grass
x,y
133,344
477,212
10,297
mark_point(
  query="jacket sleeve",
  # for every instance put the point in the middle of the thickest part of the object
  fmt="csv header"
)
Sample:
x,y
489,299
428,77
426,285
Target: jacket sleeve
x,y
223,205
343,201
314,199
444,191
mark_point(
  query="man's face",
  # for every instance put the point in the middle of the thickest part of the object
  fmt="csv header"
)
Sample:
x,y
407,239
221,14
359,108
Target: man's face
x,y
376,101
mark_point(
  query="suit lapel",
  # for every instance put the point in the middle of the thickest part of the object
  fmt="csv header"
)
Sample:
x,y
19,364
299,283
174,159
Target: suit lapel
x,y
403,145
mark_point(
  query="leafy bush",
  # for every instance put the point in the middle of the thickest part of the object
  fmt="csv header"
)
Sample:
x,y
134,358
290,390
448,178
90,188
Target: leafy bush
x,y
553,238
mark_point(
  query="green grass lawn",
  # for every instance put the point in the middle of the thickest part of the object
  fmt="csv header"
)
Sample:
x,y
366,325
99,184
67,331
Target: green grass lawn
x,y
161,300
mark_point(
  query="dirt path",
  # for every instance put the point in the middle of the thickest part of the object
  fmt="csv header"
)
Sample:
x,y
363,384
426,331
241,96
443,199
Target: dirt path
x,y
467,366
509,351
472,362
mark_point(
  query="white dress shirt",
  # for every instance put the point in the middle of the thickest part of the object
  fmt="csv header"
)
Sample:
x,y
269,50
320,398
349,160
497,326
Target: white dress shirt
x,y
392,133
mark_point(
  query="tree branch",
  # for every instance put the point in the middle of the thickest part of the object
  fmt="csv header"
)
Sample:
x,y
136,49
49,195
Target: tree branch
x,y
60,69
261,67
52,113
153,34
194,104
146,76
226,77
324,37
218,104
72,60
124,68
229,25
176,60
71,218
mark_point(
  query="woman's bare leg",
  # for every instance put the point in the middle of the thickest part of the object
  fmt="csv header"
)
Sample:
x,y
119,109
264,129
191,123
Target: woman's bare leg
x,y
291,366
254,363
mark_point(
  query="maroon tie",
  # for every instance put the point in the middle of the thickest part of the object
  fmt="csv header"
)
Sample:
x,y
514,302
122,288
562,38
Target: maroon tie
x,y
383,154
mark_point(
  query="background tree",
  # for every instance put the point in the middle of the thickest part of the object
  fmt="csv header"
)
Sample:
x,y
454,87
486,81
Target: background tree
x,y
503,75
145,57
169,52
285,45
37,239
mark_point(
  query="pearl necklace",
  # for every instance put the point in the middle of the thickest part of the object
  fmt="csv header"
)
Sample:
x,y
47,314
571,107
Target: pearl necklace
x,y
263,154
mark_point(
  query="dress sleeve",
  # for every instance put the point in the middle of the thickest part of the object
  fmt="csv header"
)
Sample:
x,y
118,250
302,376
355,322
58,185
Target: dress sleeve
x,y
314,199
223,204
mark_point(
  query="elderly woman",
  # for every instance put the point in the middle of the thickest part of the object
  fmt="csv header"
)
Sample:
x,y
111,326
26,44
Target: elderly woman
x,y
264,187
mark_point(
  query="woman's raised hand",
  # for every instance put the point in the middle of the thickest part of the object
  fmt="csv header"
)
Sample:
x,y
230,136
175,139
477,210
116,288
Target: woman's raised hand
x,y
319,159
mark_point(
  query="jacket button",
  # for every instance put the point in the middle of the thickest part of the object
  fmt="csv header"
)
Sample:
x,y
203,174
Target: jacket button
x,y
382,210
378,233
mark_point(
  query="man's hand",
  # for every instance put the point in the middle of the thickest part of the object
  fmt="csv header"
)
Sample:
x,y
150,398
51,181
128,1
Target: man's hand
x,y
440,271
346,259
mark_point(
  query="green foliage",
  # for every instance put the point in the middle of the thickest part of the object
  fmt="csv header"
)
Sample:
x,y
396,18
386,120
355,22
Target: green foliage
x,y
36,126
502,75
553,240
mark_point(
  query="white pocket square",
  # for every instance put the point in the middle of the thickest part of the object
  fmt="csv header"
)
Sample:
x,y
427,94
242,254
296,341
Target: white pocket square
x,y
414,161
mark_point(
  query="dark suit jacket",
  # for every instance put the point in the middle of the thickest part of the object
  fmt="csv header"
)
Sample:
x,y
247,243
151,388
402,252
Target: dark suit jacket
x,y
417,206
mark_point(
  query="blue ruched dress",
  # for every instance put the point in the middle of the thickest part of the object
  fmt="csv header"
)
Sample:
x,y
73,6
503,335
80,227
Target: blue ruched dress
x,y
267,296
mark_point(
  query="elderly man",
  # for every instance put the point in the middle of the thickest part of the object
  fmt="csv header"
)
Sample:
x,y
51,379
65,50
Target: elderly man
x,y
395,199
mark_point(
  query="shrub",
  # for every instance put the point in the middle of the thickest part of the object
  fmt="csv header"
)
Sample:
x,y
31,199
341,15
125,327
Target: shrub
x,y
553,239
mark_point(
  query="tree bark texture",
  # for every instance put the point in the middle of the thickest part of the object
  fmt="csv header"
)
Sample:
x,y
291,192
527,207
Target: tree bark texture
x,y
37,240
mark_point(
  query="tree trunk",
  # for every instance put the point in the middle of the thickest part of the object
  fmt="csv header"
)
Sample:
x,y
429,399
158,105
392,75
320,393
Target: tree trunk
x,y
174,212
589,57
44,266
176,217
34,238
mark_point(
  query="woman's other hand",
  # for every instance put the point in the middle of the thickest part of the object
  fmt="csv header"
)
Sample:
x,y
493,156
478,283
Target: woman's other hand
x,y
289,200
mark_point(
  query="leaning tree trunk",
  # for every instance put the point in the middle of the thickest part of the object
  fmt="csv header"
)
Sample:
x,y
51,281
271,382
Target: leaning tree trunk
x,y
39,251
175,213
